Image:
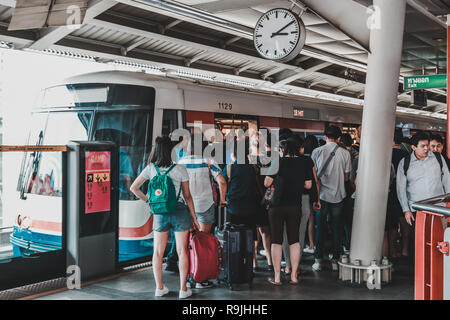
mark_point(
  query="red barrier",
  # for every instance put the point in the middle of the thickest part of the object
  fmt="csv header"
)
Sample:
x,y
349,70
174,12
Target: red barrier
x,y
429,256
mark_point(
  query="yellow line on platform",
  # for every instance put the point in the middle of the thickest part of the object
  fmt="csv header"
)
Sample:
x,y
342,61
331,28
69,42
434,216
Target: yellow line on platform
x,y
32,148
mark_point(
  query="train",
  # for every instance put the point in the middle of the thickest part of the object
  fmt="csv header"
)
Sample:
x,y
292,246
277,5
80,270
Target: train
x,y
132,109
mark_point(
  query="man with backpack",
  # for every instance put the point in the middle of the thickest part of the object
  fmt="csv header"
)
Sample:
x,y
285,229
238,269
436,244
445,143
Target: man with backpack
x,y
421,175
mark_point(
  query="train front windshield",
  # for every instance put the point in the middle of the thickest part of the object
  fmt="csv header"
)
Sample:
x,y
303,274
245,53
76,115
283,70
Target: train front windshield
x,y
117,113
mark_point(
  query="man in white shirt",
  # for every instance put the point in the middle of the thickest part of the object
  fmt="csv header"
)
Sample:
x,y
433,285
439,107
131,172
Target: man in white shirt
x,y
333,165
426,175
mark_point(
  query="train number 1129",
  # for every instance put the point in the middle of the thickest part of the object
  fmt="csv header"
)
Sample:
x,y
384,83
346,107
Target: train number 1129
x,y
225,106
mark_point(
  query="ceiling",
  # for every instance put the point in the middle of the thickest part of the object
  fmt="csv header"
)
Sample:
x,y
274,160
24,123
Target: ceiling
x,y
206,38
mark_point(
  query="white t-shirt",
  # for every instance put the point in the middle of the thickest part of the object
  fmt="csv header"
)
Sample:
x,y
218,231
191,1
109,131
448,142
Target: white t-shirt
x,y
199,181
178,174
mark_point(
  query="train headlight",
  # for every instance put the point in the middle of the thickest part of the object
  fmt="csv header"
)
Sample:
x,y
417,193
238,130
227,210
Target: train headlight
x,y
26,222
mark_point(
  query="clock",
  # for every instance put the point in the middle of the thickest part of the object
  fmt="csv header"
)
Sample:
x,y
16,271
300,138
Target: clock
x,y
279,35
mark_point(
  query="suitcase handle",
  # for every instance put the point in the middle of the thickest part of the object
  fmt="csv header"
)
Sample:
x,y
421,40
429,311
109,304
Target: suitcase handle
x,y
220,224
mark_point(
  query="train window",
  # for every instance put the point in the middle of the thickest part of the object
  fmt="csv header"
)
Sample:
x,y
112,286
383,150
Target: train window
x,y
170,122
43,173
128,130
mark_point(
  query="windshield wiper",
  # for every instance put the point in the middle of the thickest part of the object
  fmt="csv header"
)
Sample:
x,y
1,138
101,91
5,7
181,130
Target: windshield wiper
x,y
31,169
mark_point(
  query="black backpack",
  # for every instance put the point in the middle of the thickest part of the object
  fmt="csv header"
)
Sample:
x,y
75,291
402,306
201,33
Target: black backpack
x,y
408,161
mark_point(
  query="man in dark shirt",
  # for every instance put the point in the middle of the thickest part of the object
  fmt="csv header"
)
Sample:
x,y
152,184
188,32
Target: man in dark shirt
x,y
394,212
437,145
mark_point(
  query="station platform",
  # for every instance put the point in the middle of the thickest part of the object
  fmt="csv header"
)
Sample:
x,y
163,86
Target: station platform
x,y
139,285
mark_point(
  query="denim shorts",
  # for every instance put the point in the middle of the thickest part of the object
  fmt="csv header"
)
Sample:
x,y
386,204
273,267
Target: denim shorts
x,y
179,221
207,217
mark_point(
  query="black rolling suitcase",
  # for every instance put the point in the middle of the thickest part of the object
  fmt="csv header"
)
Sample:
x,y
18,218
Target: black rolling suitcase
x,y
237,243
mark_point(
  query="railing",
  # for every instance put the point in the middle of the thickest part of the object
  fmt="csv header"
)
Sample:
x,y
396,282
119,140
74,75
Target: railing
x,y
431,218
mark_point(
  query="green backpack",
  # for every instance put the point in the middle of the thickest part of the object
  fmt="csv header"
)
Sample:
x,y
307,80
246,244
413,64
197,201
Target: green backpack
x,y
161,193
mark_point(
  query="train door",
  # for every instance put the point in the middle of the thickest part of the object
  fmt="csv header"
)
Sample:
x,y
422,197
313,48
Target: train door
x,y
227,123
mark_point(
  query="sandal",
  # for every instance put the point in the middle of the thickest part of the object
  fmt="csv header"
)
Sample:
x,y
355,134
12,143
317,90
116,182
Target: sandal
x,y
294,282
272,281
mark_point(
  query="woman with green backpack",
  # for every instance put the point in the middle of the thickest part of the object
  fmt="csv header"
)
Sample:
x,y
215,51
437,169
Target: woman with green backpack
x,y
166,182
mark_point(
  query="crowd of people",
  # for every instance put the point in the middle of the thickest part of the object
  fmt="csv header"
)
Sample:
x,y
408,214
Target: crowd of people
x,y
317,180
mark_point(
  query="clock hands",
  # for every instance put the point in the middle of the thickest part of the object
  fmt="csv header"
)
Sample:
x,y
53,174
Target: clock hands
x,y
279,33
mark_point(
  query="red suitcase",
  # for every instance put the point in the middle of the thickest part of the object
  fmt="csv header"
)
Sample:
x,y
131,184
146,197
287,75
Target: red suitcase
x,y
205,256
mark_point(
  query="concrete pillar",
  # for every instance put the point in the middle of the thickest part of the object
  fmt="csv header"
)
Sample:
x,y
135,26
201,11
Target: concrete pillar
x,y
386,40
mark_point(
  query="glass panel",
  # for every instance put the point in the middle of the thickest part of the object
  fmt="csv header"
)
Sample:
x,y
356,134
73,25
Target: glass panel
x,y
170,122
43,172
128,130
34,218
69,96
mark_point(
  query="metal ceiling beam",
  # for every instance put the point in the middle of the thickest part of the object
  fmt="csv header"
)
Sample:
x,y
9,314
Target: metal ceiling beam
x,y
347,16
8,3
51,35
246,66
203,49
133,45
273,71
316,82
416,5
343,87
230,5
299,74
197,57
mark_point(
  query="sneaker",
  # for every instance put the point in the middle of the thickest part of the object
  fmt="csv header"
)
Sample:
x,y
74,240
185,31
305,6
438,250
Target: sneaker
x,y
161,292
173,267
308,250
185,294
334,265
200,285
316,266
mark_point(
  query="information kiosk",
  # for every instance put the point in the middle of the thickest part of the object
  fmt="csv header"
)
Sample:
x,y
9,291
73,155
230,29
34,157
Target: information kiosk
x,y
92,208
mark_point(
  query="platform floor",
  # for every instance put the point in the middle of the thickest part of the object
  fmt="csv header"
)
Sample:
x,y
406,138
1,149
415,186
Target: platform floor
x,y
322,285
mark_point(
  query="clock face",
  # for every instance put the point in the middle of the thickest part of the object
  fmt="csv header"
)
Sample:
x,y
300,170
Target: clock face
x,y
279,35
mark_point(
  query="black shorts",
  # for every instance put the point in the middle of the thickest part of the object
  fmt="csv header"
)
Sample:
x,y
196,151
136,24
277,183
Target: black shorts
x,y
278,216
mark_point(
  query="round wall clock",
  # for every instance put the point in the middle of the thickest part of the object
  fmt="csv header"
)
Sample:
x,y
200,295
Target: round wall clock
x,y
279,35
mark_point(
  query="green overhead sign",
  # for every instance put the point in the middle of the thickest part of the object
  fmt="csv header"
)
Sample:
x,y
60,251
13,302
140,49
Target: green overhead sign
x,y
425,82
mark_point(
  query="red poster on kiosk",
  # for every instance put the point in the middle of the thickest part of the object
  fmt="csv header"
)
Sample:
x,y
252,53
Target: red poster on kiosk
x,y
98,181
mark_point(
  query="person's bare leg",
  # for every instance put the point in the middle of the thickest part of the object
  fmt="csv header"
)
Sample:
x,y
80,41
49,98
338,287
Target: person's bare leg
x,y
294,251
392,238
276,259
183,261
255,252
405,230
385,245
159,243
205,228
265,236
285,246
311,227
